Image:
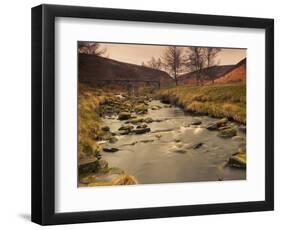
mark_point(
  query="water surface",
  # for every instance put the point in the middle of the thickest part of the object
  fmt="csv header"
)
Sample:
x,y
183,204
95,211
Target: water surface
x,y
165,155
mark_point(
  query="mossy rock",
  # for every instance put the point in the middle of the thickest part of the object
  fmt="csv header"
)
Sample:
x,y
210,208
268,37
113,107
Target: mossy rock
x,y
103,135
135,121
238,160
155,107
126,127
142,126
113,140
222,122
88,165
148,120
227,133
87,149
141,109
212,127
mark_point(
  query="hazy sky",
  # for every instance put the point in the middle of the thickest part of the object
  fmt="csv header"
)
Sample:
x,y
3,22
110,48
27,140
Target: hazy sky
x,y
136,54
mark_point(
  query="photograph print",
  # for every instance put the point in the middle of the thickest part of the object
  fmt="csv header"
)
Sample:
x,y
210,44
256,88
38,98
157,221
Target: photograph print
x,y
150,114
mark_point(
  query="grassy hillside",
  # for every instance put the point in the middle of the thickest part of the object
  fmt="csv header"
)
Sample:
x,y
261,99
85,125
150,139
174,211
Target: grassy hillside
x,y
236,74
100,71
212,72
214,100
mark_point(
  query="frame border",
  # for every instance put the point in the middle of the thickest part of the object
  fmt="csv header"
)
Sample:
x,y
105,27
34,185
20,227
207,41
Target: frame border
x,y
43,114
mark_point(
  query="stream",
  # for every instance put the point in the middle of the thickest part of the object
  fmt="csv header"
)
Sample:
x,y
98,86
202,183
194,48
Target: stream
x,y
166,155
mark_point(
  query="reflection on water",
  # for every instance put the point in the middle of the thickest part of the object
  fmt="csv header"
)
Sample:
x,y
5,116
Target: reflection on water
x,y
166,155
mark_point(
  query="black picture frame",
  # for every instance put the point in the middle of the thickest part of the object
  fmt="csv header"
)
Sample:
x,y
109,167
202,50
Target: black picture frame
x,y
43,114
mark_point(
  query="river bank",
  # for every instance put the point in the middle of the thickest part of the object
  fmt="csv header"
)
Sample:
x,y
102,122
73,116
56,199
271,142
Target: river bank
x,y
228,100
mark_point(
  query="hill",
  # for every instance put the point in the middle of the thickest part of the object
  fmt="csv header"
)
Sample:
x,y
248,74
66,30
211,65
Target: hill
x,y
212,72
100,71
236,74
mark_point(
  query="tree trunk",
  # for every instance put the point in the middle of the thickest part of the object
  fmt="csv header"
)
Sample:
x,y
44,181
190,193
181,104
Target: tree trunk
x,y
175,77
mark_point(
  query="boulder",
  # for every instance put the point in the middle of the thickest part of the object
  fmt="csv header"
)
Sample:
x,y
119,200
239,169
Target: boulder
x,y
124,116
113,140
181,151
218,124
148,120
110,149
123,132
227,133
225,127
102,135
222,122
126,127
197,145
165,100
87,165
196,123
105,128
142,126
146,141
141,109
212,126
141,130
155,107
135,121
237,160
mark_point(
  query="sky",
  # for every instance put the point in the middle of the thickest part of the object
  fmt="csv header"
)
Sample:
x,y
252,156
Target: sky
x,y
136,54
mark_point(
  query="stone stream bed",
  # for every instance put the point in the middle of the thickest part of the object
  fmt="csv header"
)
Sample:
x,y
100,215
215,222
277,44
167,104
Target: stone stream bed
x,y
173,146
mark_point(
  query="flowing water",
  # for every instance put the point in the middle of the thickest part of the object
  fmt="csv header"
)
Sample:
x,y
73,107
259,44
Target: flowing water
x,y
165,154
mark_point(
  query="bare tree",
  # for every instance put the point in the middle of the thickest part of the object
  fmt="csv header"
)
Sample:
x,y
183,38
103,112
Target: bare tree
x,y
210,54
199,60
173,61
195,62
154,63
93,48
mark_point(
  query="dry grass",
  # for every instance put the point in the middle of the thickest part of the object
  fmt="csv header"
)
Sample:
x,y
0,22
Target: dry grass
x,y
88,119
227,100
